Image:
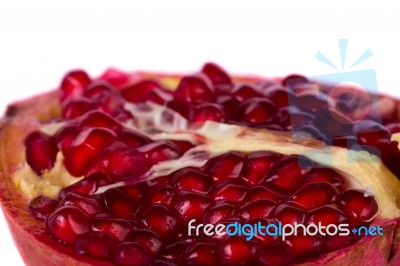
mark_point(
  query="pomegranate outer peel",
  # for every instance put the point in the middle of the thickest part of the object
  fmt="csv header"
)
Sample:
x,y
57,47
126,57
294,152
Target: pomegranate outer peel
x,y
35,247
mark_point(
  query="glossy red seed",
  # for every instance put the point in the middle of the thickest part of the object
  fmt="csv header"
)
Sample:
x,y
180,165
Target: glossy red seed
x,y
66,224
136,191
207,112
232,191
314,195
280,97
378,143
287,214
256,111
73,84
194,90
161,220
115,228
327,215
115,77
124,116
77,107
360,206
190,205
85,147
175,252
87,185
99,119
312,103
261,192
276,255
226,166
133,138
291,118
159,96
161,194
42,206
132,254
219,211
236,251
139,92
87,204
64,137
327,175
257,166
178,107
244,92
258,208
41,151
120,204
292,80
202,254
106,96
95,245
304,245
228,104
189,179
120,162
146,238
99,89
286,175
160,151
332,123
216,74
183,145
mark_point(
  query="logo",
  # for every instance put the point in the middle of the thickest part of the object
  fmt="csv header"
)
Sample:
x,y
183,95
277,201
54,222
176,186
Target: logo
x,y
355,95
279,230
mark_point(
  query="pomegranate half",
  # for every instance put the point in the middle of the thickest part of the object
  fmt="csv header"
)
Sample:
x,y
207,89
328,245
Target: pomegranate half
x,y
122,169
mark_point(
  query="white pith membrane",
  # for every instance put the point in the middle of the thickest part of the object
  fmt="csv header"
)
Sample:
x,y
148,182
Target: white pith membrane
x,y
360,169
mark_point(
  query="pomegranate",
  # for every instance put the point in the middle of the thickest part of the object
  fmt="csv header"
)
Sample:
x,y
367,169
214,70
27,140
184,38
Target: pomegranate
x,y
138,169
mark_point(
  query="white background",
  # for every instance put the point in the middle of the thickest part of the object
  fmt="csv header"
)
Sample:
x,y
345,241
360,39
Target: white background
x,y
41,40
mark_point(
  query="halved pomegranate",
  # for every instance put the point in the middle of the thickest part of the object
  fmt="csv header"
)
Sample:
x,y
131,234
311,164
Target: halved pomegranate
x,y
136,169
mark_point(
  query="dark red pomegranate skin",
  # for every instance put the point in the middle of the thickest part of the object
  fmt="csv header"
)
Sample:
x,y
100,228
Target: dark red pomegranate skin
x,y
146,223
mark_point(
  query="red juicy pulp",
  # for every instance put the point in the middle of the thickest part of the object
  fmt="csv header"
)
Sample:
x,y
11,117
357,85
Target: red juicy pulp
x,y
147,222
153,216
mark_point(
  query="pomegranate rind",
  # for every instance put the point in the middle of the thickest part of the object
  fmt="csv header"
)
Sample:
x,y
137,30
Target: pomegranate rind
x,y
35,246
370,250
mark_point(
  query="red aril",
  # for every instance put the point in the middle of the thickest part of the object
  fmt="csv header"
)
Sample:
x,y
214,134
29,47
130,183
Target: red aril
x,y
146,238
216,74
66,224
256,111
73,84
207,112
85,147
160,151
160,220
96,245
226,166
360,206
41,151
244,92
194,90
115,228
42,206
139,92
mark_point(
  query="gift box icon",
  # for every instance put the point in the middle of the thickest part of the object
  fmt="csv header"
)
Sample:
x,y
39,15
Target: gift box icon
x,y
355,90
